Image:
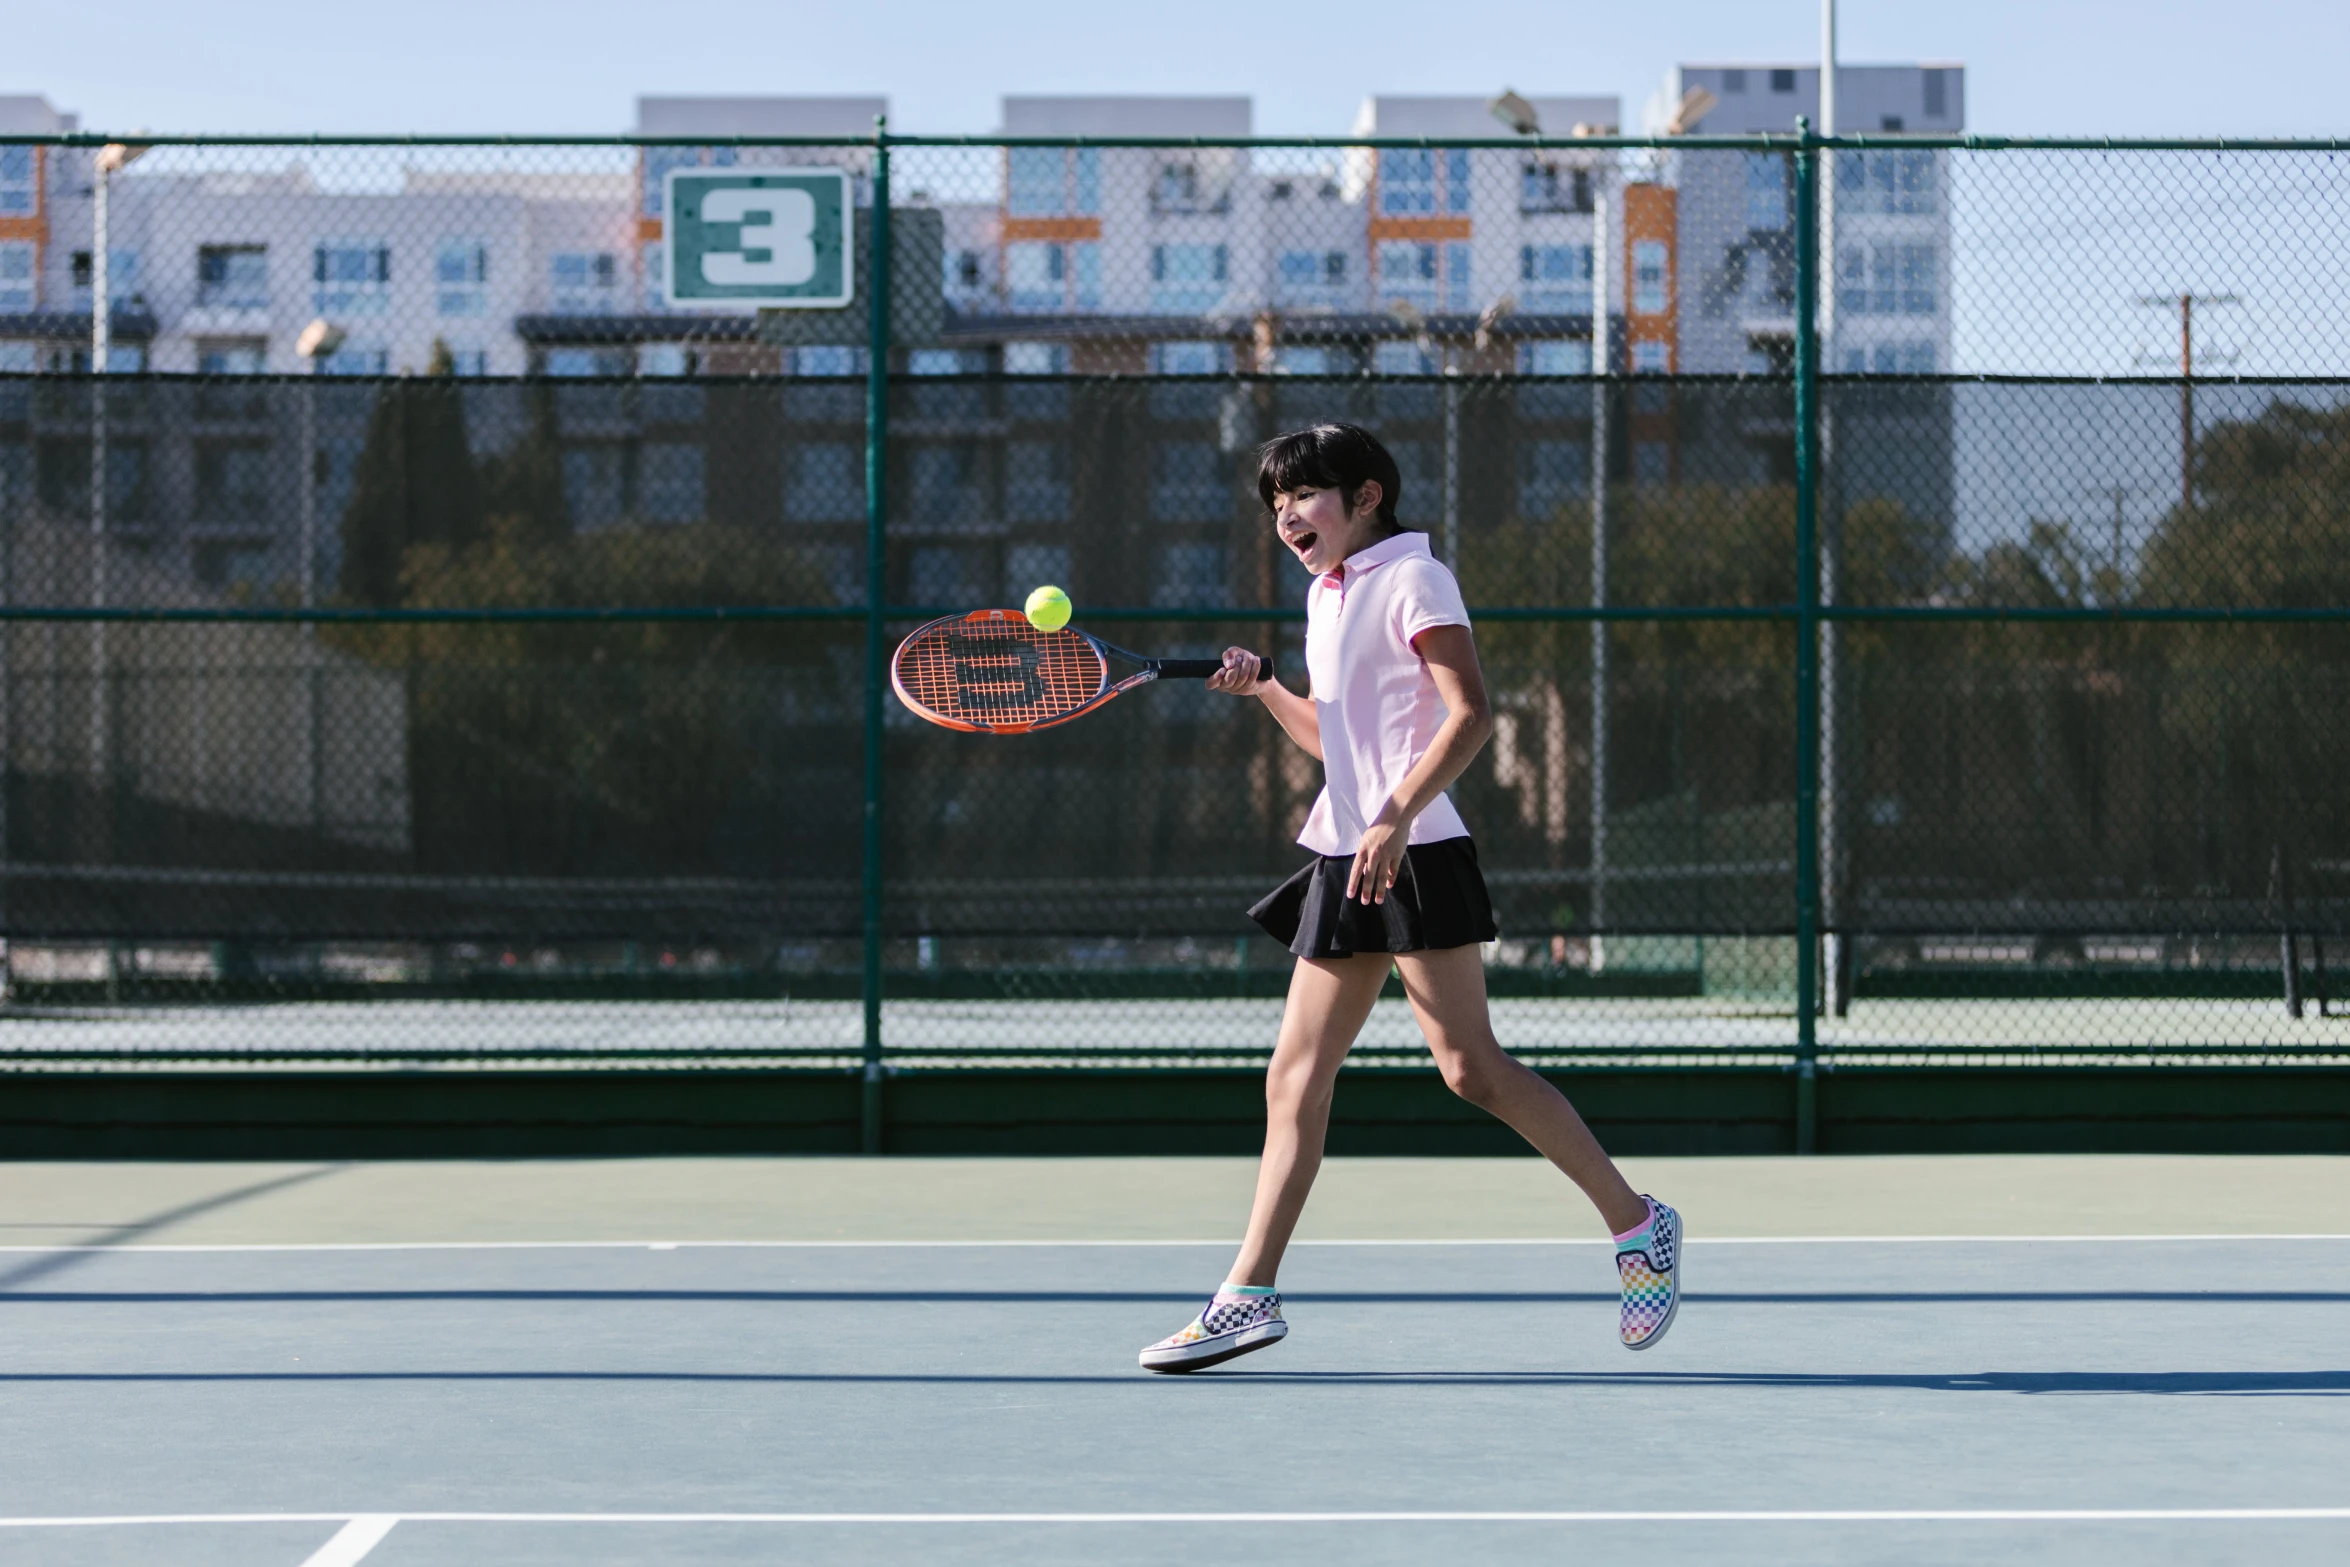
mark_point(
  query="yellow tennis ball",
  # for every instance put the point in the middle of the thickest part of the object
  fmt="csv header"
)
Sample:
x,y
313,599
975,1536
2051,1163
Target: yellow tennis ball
x,y
1048,608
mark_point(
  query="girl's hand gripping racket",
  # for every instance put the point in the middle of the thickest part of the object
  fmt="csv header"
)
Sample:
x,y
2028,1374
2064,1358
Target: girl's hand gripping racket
x,y
991,672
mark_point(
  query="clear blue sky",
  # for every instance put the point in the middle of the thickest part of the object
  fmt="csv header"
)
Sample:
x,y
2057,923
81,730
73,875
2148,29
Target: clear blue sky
x,y
2120,67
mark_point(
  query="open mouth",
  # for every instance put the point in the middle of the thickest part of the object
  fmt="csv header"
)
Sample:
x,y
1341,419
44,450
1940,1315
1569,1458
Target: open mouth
x,y
1303,543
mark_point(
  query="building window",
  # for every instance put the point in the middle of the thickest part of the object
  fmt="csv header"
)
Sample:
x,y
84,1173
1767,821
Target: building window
x,y
1039,276
17,279
1407,181
231,355
1886,279
351,277
1551,476
1188,279
1766,192
1189,358
1887,182
355,359
658,161
1309,277
1182,186
1937,94
826,483
1547,187
669,481
1401,359
1652,282
1052,182
1782,81
1733,81
1407,273
19,184
1036,489
1554,279
1652,358
1456,179
469,361
122,275
461,275
232,482
1558,356
834,361
664,360
1036,359
1918,280
594,485
233,277
1190,576
1306,359
586,283
966,272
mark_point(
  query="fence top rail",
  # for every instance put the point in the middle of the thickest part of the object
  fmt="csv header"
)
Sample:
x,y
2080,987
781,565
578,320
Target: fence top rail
x,y
1768,141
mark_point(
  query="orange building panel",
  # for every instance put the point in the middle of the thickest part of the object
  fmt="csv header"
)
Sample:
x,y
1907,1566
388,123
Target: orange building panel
x,y
1651,217
1058,231
1422,229
648,230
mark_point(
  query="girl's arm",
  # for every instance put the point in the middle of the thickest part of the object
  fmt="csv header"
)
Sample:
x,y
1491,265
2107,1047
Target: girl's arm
x,y
1294,713
1450,653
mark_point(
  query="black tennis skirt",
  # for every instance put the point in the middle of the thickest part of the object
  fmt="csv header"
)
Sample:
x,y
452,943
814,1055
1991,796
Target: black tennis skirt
x,y
1438,900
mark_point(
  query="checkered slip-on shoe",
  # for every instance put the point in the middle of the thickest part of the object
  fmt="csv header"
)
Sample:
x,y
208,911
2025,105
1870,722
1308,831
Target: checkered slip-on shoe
x,y
1648,1266
1224,1328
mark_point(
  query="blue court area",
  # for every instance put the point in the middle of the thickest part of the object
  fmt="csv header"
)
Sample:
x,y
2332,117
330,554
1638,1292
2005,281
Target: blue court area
x,y
1914,1400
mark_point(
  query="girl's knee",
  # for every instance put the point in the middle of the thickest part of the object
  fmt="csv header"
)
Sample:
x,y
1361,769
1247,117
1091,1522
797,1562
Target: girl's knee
x,y
1472,1074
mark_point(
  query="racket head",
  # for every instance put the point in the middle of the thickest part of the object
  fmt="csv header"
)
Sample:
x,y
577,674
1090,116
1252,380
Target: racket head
x,y
991,672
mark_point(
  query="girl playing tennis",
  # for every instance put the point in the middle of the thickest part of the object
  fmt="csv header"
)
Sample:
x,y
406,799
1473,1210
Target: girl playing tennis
x,y
1397,711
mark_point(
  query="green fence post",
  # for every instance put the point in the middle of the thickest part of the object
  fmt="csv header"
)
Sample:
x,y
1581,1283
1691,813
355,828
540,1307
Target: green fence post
x,y
876,627
1807,635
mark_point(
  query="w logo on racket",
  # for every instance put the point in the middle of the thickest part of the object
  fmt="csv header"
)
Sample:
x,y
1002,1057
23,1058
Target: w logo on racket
x,y
997,675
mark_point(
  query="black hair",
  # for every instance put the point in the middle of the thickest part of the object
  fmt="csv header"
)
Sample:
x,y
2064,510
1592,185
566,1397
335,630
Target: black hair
x,y
1341,457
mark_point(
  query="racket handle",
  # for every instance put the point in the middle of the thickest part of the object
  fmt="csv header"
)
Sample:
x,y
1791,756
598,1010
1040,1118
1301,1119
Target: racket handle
x,y
1202,668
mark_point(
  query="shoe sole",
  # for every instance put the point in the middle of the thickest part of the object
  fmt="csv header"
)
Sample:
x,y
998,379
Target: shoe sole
x,y
1215,1351
1680,1243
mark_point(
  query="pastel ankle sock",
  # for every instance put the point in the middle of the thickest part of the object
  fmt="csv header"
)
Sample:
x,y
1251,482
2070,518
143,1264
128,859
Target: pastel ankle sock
x,y
1637,1235
1244,1291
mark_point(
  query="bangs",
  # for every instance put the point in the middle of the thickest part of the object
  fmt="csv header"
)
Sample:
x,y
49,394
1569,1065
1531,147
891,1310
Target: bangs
x,y
1295,462
1341,457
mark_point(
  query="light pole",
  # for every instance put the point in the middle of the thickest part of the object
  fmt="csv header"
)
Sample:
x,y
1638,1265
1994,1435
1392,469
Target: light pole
x,y
2185,302
111,160
1521,117
318,341
1835,955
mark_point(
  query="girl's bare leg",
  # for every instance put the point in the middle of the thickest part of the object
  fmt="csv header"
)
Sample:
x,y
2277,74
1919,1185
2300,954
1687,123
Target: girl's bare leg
x,y
1447,991
1329,999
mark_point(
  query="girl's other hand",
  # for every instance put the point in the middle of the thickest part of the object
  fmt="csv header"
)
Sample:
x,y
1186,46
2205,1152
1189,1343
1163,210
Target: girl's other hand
x,y
1240,674
1376,862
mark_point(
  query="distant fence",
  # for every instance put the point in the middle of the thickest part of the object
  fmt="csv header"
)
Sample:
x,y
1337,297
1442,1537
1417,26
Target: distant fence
x,y
1912,575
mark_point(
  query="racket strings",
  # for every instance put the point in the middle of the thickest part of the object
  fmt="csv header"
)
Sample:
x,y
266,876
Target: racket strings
x,y
998,671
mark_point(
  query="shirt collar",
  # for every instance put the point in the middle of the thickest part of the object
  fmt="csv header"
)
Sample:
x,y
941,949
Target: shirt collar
x,y
1394,547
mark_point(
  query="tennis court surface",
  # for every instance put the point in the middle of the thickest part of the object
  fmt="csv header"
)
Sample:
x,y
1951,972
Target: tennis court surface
x,y
1923,1360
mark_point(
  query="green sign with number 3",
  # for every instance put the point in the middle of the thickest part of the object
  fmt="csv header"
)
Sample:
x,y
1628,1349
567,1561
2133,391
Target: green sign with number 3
x,y
773,237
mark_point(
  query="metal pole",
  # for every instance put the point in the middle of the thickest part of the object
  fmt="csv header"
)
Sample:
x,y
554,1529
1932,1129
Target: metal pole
x,y
2187,400
1807,623
101,349
1602,361
876,628
1835,956
1452,469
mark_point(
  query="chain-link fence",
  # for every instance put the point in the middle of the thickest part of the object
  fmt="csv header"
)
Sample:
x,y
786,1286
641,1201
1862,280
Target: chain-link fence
x,y
453,615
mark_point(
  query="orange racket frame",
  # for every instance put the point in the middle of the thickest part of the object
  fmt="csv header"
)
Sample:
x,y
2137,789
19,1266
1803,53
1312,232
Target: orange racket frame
x,y
991,672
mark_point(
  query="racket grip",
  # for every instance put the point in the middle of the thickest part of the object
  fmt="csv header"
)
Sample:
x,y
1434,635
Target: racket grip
x,y
1202,668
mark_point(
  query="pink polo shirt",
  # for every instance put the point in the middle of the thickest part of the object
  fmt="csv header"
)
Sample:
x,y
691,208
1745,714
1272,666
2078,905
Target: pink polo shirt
x,y
1373,696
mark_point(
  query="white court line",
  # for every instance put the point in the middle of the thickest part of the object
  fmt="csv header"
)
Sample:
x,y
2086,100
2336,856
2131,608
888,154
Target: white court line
x,y
1622,1515
353,1541
970,1245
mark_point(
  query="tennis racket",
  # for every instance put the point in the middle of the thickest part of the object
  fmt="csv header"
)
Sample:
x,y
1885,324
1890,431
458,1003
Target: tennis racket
x,y
991,672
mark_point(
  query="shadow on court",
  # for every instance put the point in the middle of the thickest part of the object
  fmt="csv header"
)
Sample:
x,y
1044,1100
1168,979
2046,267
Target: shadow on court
x,y
147,1229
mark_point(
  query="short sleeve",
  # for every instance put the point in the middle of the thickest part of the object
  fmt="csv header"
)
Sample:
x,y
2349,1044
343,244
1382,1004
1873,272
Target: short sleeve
x,y
1425,595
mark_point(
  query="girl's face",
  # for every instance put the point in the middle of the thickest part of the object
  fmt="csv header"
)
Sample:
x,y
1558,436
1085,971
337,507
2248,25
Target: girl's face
x,y
1319,528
